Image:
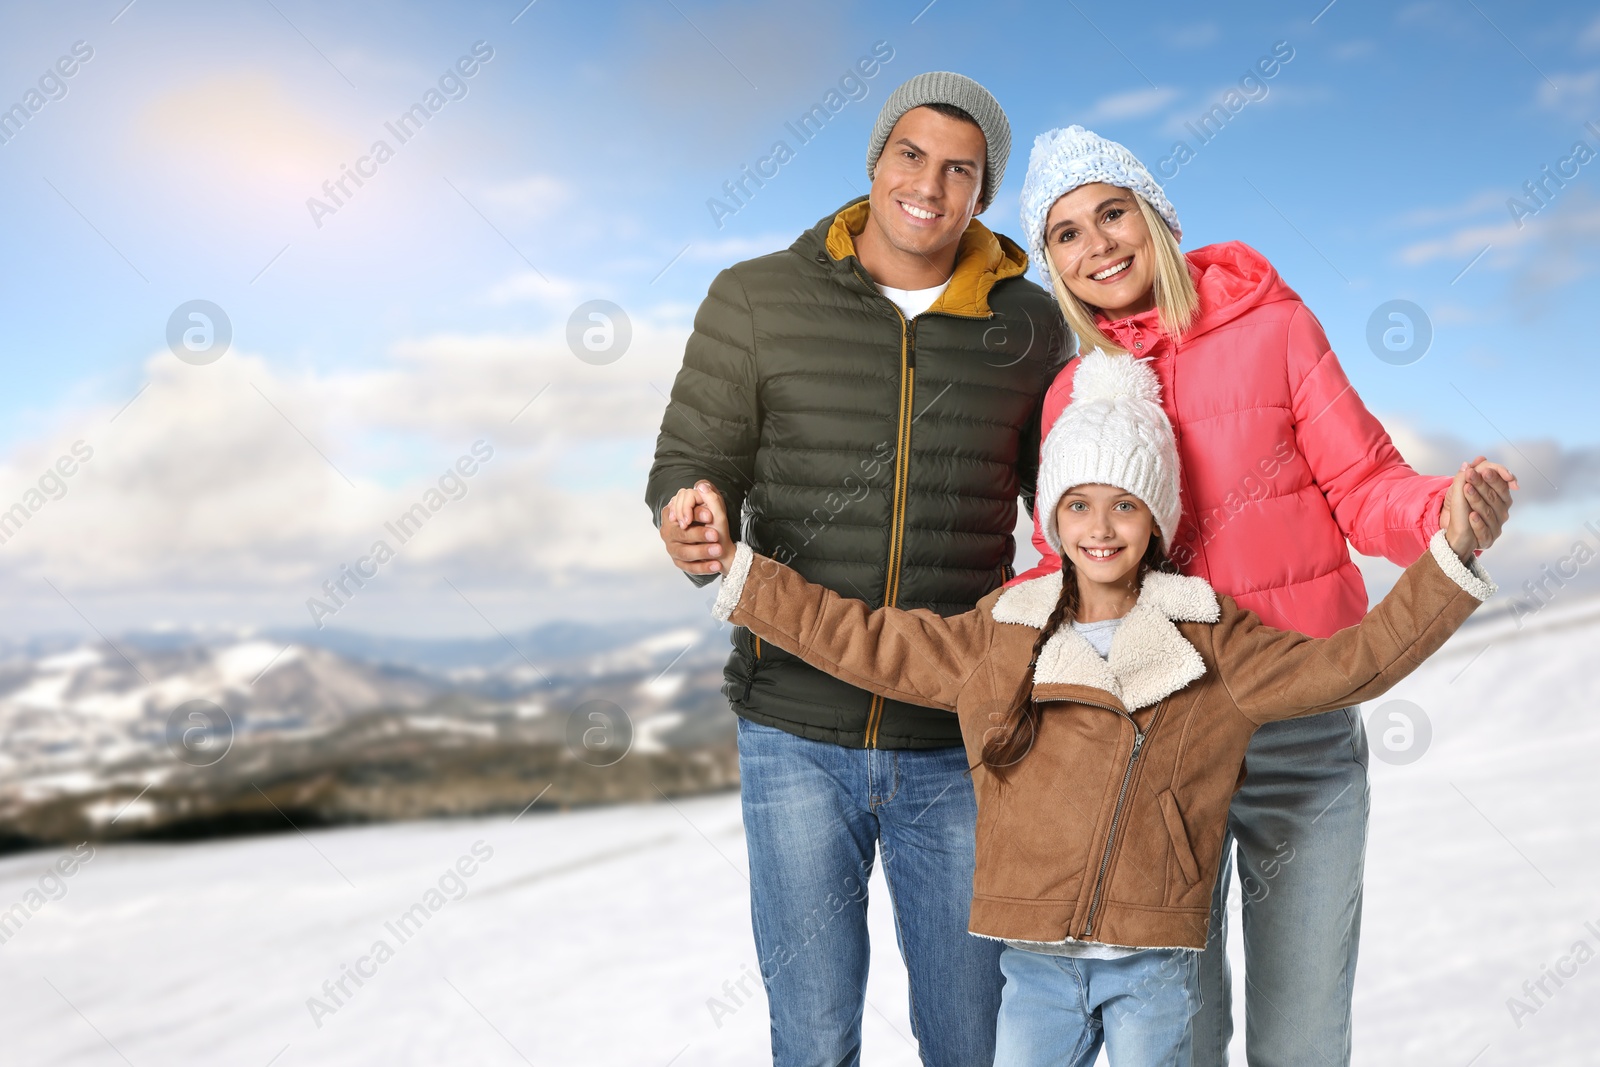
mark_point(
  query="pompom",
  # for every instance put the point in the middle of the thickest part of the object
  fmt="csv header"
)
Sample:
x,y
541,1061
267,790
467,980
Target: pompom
x,y
1101,376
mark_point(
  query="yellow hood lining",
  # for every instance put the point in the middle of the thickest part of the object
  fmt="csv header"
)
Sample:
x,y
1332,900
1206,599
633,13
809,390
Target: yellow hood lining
x,y
982,259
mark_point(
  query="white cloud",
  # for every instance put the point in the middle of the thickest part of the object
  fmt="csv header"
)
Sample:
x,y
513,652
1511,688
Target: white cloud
x,y
531,197
1203,113
1428,13
1573,94
1560,222
212,486
531,286
448,385
734,249
1472,206
1561,256
1545,518
207,500
1196,36
1445,314
1547,471
1590,37
1464,243
1136,103
1345,51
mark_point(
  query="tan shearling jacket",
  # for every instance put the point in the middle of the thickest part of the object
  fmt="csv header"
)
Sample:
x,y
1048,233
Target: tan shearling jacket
x,y
1110,828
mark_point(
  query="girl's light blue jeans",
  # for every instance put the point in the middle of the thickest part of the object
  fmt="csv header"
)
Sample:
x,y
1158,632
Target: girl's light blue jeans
x,y
1056,1011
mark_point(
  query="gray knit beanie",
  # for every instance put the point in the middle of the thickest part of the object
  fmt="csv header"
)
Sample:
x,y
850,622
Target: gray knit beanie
x,y
957,90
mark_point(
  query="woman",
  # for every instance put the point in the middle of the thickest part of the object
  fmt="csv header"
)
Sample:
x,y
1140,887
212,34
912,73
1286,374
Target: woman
x,y
1282,466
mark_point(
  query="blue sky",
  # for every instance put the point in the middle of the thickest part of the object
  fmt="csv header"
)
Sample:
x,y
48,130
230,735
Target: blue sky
x,y
577,163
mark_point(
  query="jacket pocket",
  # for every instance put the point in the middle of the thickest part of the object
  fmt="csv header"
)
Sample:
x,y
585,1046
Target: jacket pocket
x,y
1180,836
747,647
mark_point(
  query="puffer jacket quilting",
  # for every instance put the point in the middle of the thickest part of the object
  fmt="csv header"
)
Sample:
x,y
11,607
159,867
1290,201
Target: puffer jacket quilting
x,y
880,458
1281,463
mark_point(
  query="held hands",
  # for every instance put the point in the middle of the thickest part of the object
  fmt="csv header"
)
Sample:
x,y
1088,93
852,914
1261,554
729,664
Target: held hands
x,y
1476,506
694,525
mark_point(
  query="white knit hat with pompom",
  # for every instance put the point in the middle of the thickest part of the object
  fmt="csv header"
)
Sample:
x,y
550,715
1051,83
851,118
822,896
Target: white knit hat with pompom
x,y
1113,433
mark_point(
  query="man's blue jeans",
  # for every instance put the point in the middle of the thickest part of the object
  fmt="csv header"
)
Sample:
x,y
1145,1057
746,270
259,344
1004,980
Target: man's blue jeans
x,y
1301,826
1057,1010
813,815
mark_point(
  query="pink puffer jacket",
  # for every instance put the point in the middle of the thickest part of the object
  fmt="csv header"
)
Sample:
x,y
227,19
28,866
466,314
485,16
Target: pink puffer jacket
x,y
1281,462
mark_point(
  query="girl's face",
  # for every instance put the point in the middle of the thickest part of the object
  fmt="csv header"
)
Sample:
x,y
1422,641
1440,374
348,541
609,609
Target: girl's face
x,y
1105,532
1101,247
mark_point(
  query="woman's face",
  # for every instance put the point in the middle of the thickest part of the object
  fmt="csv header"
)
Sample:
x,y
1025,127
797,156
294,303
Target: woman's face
x,y
1102,249
1104,532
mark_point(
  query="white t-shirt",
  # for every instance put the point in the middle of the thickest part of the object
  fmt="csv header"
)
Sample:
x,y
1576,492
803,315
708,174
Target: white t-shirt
x,y
914,302
1098,634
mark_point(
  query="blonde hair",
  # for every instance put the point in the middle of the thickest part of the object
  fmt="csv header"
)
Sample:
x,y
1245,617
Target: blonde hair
x,y
1176,298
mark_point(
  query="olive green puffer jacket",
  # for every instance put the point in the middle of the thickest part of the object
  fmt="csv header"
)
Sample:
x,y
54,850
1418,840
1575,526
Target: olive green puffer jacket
x,y
880,457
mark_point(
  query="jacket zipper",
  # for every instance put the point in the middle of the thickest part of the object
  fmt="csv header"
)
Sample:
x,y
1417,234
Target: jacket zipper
x,y
902,478
902,464
1116,815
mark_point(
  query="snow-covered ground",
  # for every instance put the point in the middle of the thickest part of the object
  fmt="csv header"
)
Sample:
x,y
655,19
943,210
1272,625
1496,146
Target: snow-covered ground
x,y
598,937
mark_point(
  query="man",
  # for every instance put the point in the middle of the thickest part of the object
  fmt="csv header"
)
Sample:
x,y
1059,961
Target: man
x,y
867,402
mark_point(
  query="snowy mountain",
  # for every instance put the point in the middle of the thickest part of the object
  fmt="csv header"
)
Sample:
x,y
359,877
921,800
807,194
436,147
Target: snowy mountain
x,y
139,735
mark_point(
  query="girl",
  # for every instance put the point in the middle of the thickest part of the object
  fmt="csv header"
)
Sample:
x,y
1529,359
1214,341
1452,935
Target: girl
x,y
1283,469
1106,708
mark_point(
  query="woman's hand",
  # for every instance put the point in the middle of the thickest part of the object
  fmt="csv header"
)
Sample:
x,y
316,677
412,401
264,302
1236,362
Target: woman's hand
x,y
1486,493
1472,517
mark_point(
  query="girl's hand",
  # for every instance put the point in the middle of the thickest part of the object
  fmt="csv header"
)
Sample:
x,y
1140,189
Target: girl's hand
x,y
1487,493
703,506
1463,527
681,509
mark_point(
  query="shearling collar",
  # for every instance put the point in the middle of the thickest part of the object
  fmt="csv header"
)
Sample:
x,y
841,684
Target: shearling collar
x,y
1149,658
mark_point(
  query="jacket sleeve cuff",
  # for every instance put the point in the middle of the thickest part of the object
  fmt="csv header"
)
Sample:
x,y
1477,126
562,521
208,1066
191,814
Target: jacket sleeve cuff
x,y
733,582
1469,576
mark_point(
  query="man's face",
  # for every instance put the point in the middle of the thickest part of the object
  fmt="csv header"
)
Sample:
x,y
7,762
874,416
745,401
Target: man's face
x,y
925,187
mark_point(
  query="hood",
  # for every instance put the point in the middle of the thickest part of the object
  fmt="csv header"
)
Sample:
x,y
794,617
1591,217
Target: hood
x,y
1231,277
983,259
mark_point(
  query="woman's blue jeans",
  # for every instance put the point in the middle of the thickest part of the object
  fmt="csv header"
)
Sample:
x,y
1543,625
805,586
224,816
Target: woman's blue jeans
x,y
1300,823
814,815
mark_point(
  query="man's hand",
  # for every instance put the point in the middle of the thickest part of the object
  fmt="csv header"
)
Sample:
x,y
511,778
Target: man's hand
x,y
1485,491
694,526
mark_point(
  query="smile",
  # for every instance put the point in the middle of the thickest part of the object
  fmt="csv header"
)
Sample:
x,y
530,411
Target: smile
x,y
1112,272
1101,553
917,212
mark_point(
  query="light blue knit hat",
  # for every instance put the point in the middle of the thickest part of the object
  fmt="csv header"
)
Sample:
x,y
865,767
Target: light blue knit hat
x,y
1064,159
